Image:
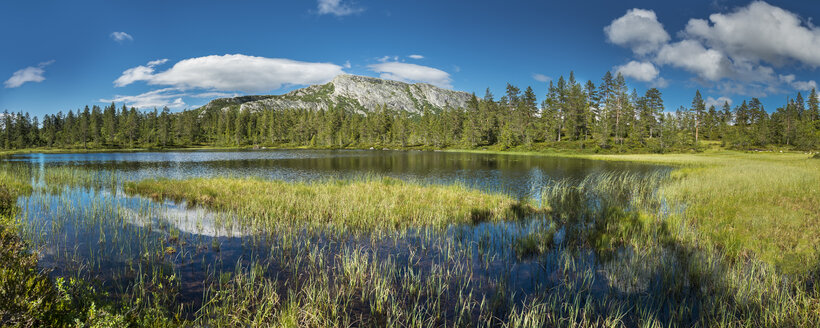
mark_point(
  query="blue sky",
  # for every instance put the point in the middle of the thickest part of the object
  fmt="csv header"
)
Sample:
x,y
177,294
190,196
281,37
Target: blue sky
x,y
61,55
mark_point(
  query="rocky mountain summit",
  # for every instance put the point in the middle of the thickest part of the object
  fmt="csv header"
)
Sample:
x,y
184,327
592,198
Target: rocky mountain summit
x,y
361,93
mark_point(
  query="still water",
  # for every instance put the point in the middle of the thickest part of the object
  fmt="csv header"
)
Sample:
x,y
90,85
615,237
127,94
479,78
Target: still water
x,y
513,174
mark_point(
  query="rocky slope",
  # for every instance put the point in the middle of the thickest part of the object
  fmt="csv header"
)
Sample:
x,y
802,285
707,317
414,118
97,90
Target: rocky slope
x,y
360,93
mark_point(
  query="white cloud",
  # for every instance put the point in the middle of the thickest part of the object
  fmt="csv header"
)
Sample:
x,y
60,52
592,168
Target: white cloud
x,y
157,62
337,8
412,73
638,30
121,36
388,58
804,85
347,64
733,52
641,71
760,32
232,73
170,97
659,83
791,80
718,103
416,57
690,55
540,77
139,73
28,74
214,95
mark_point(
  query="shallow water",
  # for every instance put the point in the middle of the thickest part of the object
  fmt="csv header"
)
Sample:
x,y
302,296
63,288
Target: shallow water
x,y
101,234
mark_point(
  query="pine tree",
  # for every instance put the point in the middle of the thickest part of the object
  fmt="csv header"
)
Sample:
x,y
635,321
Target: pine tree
x,y
698,109
814,109
652,112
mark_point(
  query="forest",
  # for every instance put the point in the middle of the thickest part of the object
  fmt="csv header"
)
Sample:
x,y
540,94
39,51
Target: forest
x,y
606,117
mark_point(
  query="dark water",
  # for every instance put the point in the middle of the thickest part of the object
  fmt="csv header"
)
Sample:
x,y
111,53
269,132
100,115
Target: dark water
x,y
114,239
514,174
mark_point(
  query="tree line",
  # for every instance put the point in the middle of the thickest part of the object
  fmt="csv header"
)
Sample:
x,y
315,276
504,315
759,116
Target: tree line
x,y
608,116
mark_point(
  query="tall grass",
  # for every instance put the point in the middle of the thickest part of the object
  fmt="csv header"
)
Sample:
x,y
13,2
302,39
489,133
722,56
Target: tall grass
x,y
660,266
749,204
755,208
367,203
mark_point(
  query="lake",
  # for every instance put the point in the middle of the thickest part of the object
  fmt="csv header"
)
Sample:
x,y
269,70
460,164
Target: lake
x,y
514,174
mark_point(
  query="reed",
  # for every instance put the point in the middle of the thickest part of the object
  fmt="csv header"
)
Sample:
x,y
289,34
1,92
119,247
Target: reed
x,y
368,203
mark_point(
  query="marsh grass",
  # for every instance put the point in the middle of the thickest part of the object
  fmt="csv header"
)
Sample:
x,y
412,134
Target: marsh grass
x,y
605,210
762,205
661,271
366,203
755,208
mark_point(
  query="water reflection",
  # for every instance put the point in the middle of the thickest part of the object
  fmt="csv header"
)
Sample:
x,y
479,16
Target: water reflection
x,y
513,174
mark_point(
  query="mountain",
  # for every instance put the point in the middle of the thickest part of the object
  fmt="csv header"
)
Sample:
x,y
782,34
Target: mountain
x,y
361,93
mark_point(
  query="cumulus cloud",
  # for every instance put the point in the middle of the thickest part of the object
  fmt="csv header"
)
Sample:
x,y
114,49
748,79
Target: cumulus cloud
x,y
416,57
28,74
412,73
718,103
638,30
121,37
541,77
232,73
641,71
170,97
690,55
804,85
791,80
760,32
139,73
735,52
337,8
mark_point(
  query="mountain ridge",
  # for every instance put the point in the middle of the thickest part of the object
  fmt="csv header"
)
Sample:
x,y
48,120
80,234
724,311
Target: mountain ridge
x,y
361,93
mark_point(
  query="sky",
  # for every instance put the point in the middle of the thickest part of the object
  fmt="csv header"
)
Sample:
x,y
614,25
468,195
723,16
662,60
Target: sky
x,y
63,55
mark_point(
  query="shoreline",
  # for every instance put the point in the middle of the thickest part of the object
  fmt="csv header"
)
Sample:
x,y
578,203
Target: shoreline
x,y
672,158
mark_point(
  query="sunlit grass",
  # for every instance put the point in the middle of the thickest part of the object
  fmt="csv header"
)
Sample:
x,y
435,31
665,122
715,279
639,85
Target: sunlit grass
x,y
365,203
765,204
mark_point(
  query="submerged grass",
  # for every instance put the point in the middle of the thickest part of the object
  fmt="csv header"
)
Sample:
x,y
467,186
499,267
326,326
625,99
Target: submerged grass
x,y
366,203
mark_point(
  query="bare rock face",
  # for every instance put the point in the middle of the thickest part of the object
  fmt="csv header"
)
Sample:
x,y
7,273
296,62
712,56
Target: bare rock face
x,y
360,93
